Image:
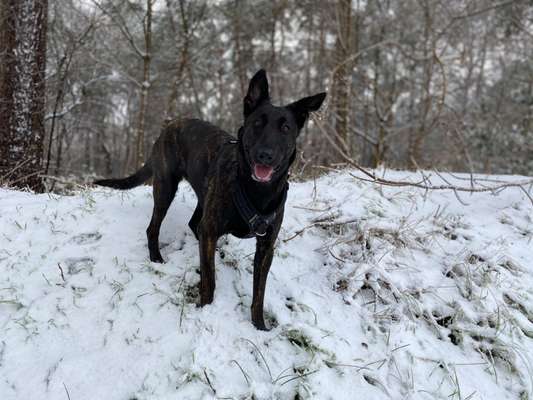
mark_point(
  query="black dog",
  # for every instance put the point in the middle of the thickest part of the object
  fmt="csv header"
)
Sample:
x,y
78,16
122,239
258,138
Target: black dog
x,y
241,184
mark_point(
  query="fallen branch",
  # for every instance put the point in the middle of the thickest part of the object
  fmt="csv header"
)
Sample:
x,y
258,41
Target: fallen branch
x,y
3,178
372,178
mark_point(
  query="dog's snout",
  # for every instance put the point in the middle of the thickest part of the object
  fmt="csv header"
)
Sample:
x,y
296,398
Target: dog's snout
x,y
265,156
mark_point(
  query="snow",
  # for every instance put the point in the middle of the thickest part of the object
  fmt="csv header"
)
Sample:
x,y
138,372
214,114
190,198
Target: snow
x,y
374,293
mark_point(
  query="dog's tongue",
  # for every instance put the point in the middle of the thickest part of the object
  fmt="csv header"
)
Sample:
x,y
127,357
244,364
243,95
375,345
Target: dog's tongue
x,y
263,173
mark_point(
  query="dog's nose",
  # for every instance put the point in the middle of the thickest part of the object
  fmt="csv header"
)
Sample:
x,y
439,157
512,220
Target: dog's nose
x,y
265,156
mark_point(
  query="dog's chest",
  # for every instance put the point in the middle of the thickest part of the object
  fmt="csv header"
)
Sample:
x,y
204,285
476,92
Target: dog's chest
x,y
235,225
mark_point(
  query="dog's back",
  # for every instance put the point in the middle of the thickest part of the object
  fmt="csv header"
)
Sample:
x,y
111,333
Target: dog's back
x,y
185,149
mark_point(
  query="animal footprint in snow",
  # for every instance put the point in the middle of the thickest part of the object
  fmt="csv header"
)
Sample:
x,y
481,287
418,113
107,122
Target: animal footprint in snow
x,y
86,238
77,265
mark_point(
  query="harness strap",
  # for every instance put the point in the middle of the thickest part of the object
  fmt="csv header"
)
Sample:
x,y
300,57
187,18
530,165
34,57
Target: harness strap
x,y
257,222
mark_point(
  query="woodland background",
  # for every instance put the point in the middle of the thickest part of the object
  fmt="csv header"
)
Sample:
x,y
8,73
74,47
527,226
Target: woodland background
x,y
411,84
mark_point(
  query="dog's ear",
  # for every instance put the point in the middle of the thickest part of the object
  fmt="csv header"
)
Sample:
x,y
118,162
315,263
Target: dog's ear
x,y
257,92
303,107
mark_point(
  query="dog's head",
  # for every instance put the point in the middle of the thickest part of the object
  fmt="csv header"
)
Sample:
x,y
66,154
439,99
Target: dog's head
x,y
268,136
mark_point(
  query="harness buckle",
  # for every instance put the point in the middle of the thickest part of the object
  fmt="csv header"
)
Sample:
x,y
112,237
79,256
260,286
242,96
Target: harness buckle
x,y
258,225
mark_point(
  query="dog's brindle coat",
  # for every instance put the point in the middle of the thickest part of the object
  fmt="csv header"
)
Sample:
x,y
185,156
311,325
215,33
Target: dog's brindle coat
x,y
215,164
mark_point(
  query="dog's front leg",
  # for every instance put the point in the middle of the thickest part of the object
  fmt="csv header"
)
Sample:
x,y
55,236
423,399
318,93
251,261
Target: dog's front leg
x,y
207,267
262,261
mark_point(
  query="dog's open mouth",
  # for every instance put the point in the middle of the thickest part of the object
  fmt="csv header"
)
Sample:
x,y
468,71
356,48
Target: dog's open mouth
x,y
262,173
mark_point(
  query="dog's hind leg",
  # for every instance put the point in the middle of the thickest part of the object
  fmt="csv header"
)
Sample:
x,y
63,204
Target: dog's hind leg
x,y
195,220
164,192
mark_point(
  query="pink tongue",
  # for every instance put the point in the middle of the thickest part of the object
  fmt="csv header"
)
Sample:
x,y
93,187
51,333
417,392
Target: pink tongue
x,y
263,172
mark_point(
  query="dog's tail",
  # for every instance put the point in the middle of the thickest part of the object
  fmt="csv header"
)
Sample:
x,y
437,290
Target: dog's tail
x,y
131,181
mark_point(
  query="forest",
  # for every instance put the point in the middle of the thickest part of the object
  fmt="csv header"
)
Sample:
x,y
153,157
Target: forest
x,y
398,251
415,84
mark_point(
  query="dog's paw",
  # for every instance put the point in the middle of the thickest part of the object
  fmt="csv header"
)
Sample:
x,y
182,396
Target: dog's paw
x,y
205,300
157,259
260,326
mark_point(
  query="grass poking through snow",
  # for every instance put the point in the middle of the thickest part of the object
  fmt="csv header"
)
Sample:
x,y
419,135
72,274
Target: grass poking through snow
x,y
375,292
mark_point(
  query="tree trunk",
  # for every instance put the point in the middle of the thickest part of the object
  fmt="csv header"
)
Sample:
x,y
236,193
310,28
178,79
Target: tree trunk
x,y
237,51
23,26
145,85
172,103
418,136
343,67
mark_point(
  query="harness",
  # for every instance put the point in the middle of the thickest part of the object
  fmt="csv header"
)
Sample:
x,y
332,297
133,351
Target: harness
x,y
257,223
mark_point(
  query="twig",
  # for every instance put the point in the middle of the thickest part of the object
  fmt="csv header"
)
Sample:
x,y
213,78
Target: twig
x,y
335,257
297,233
66,390
322,223
61,272
24,177
3,178
209,382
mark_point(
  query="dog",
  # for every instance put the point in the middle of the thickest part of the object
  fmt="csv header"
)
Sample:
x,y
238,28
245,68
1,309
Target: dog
x,y
241,183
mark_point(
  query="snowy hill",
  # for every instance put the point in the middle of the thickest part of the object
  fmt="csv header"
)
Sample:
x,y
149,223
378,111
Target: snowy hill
x,y
374,293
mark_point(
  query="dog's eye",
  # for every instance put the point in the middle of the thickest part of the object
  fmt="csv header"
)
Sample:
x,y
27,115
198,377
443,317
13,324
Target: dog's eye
x,y
258,123
285,128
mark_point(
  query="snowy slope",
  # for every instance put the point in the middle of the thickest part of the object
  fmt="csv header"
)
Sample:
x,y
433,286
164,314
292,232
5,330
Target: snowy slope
x,y
374,293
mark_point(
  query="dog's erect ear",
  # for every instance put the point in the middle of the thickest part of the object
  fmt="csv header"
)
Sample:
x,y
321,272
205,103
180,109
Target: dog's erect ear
x,y
303,107
257,92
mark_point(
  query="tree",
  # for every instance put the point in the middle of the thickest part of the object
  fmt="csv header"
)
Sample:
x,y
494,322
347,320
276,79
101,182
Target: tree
x,y
342,77
144,53
414,83
23,25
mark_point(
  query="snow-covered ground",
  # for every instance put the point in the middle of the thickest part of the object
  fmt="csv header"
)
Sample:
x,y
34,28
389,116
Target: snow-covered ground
x,y
374,293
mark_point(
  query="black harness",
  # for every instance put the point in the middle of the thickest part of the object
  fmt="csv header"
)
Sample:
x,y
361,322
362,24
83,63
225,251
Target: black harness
x,y
257,223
